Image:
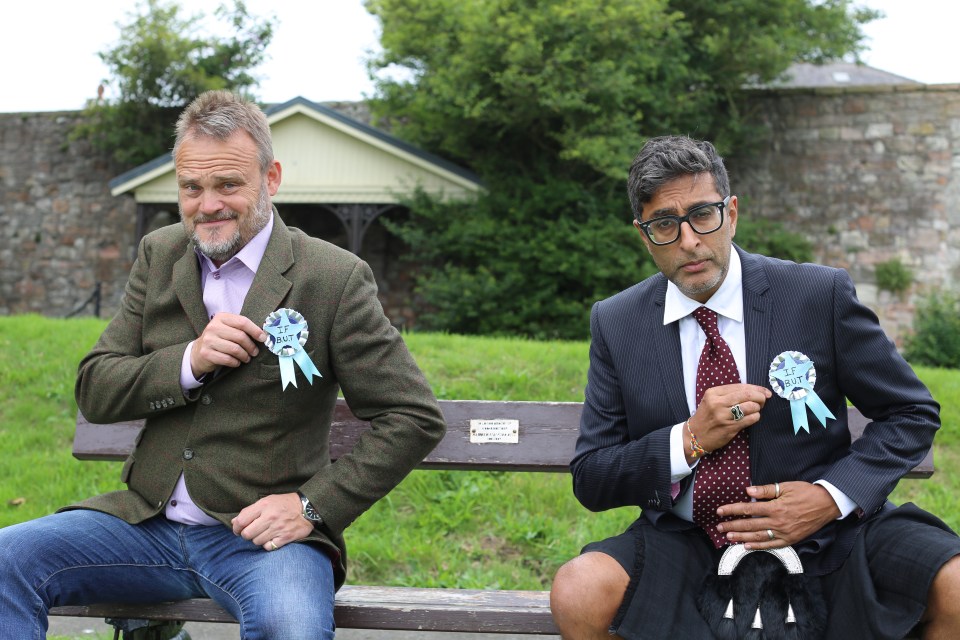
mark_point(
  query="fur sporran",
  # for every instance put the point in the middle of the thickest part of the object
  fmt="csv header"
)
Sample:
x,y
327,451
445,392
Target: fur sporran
x,y
763,596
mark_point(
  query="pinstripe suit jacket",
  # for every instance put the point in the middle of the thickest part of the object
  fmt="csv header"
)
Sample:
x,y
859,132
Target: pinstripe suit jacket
x,y
635,394
249,438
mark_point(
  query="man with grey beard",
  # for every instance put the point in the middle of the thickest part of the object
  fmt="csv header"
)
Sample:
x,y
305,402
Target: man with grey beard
x,y
230,491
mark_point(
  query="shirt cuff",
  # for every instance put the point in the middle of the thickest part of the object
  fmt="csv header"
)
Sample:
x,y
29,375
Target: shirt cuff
x,y
187,381
845,504
679,469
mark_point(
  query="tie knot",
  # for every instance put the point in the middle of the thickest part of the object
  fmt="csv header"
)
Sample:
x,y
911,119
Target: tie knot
x,y
707,319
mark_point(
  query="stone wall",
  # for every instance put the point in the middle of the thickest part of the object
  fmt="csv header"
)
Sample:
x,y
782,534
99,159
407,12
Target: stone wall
x,y
60,229
869,175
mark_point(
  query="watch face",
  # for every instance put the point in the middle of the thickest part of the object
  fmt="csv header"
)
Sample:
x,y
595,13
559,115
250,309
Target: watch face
x,y
309,512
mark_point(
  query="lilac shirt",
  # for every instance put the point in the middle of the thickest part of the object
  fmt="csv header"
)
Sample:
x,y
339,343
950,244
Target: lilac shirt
x,y
224,290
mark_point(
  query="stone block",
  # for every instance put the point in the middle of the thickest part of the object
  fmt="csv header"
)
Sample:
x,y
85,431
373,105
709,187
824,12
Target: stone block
x,y
922,129
879,130
851,133
911,164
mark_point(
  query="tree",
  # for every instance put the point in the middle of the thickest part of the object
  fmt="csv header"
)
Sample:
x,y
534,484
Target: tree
x,y
575,85
559,95
161,63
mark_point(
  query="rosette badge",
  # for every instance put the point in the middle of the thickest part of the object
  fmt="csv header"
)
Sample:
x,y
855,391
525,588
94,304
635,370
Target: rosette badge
x,y
792,377
286,334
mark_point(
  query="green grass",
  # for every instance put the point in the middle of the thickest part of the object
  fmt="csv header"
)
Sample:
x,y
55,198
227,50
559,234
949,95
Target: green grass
x,y
38,366
438,528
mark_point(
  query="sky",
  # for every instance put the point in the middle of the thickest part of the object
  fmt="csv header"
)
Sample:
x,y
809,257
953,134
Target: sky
x,y
48,51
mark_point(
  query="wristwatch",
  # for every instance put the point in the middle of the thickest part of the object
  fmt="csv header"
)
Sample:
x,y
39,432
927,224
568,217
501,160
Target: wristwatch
x,y
308,511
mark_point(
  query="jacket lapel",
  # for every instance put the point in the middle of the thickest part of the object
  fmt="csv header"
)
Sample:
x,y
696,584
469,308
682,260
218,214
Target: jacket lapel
x,y
668,353
186,283
270,285
757,318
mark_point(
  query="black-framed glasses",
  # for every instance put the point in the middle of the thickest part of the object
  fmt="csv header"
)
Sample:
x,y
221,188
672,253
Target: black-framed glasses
x,y
703,219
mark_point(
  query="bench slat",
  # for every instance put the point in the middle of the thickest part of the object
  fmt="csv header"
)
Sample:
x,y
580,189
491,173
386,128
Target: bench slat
x,y
366,607
548,434
195,610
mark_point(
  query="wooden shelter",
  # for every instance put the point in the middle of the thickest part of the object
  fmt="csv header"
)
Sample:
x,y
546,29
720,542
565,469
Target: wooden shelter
x,y
330,162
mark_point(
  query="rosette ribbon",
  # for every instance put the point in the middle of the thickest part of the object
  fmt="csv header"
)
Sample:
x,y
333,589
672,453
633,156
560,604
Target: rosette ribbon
x,y
286,334
792,377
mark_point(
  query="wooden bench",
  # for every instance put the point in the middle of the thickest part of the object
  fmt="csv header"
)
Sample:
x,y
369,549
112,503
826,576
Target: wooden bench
x,y
547,433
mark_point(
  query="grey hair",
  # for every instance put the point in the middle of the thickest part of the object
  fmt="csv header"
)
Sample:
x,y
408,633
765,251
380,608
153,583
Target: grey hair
x,y
219,114
670,157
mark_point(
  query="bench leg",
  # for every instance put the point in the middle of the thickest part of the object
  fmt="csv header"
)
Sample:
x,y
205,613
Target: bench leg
x,y
134,629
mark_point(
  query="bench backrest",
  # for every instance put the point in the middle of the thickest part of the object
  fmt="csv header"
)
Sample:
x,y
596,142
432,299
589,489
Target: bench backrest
x,y
547,433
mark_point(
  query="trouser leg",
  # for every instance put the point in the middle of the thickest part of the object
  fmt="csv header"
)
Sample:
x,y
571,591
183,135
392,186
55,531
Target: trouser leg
x,y
81,557
288,593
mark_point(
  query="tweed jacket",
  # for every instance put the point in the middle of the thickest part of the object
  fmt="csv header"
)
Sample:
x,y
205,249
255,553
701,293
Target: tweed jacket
x,y
241,437
635,394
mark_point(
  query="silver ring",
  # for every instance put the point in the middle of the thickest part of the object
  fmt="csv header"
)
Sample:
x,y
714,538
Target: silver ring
x,y
273,546
776,487
770,535
737,412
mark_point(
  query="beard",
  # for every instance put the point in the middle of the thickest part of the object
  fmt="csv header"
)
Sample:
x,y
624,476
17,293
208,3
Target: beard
x,y
672,267
221,249
692,291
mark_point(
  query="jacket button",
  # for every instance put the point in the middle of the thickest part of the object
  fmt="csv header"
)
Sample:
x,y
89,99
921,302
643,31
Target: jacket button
x,y
206,399
188,454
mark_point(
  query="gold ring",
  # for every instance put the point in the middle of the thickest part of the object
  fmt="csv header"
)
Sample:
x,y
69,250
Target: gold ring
x,y
770,535
776,487
273,546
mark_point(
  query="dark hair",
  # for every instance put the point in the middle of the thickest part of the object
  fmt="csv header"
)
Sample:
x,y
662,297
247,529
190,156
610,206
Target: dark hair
x,y
218,114
670,157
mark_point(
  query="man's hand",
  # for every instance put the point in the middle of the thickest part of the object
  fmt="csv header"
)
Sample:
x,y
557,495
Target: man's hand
x,y
228,341
273,521
713,422
801,510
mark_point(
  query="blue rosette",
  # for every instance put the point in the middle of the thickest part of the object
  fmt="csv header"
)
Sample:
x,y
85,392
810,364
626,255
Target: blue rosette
x,y
792,377
286,334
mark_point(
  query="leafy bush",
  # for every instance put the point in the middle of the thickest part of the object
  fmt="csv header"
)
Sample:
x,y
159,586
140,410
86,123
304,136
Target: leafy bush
x,y
893,276
530,264
936,337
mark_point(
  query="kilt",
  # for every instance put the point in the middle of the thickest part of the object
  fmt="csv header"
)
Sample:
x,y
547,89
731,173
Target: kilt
x,y
879,592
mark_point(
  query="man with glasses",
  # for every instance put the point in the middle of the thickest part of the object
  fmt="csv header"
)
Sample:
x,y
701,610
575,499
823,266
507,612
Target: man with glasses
x,y
696,410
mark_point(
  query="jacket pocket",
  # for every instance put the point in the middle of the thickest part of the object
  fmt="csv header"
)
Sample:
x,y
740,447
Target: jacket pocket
x,y
271,370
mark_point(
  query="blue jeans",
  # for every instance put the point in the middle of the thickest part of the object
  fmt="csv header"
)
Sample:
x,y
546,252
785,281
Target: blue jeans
x,y
81,557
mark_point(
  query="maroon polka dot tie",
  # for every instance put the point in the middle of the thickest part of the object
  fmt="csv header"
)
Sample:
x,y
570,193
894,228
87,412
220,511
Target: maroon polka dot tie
x,y
722,476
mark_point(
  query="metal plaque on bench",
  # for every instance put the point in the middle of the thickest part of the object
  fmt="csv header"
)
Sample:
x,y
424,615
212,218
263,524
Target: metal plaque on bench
x,y
499,431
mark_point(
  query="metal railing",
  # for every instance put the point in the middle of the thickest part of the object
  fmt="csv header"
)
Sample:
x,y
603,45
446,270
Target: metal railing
x,y
94,298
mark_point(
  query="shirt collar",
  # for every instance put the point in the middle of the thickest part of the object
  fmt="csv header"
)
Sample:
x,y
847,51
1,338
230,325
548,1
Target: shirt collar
x,y
250,255
727,301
